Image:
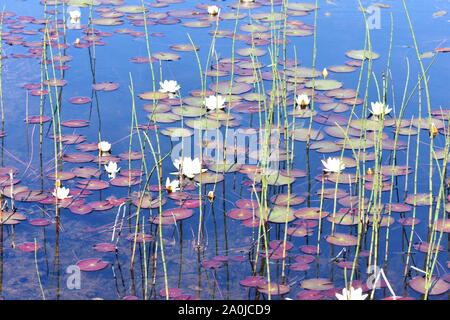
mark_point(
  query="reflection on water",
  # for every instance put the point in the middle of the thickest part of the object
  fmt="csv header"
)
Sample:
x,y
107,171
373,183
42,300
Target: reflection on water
x,y
172,148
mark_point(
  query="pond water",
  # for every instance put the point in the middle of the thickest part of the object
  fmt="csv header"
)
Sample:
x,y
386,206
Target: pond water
x,y
260,216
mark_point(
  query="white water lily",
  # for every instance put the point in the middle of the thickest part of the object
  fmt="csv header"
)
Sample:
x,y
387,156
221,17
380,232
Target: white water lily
x,y
213,10
169,86
74,14
104,146
172,186
61,193
302,100
215,102
379,109
112,169
188,167
333,165
352,294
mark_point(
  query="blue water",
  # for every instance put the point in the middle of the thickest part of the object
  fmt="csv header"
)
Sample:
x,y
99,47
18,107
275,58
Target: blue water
x,y
340,28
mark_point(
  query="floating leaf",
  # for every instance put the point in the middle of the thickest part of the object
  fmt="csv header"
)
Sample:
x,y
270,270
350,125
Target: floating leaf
x,y
362,54
323,84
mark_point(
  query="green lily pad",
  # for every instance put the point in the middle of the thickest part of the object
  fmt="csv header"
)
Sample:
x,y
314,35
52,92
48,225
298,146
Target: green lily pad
x,y
164,117
257,52
325,146
253,28
81,3
342,239
209,177
299,32
131,9
184,47
268,16
203,124
274,178
224,87
339,69
177,132
310,213
107,22
341,93
188,111
420,199
304,134
317,284
285,199
224,167
344,218
365,124
198,24
301,6
279,214
362,54
323,84
356,143
335,107
153,95
302,72
166,56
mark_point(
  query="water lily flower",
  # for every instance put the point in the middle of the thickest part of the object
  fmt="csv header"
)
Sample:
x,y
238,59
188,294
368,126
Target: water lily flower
x,y
74,14
172,186
112,169
352,294
215,102
213,10
333,165
104,146
188,167
169,86
324,73
61,193
302,100
379,109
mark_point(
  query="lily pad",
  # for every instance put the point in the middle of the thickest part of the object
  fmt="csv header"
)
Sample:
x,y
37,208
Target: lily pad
x,y
323,84
362,54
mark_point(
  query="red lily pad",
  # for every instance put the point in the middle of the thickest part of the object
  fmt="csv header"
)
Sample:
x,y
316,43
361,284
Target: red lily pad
x,y
28,247
40,222
75,123
92,264
93,184
80,100
105,247
106,86
78,157
80,209
178,213
436,285
37,119
253,281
